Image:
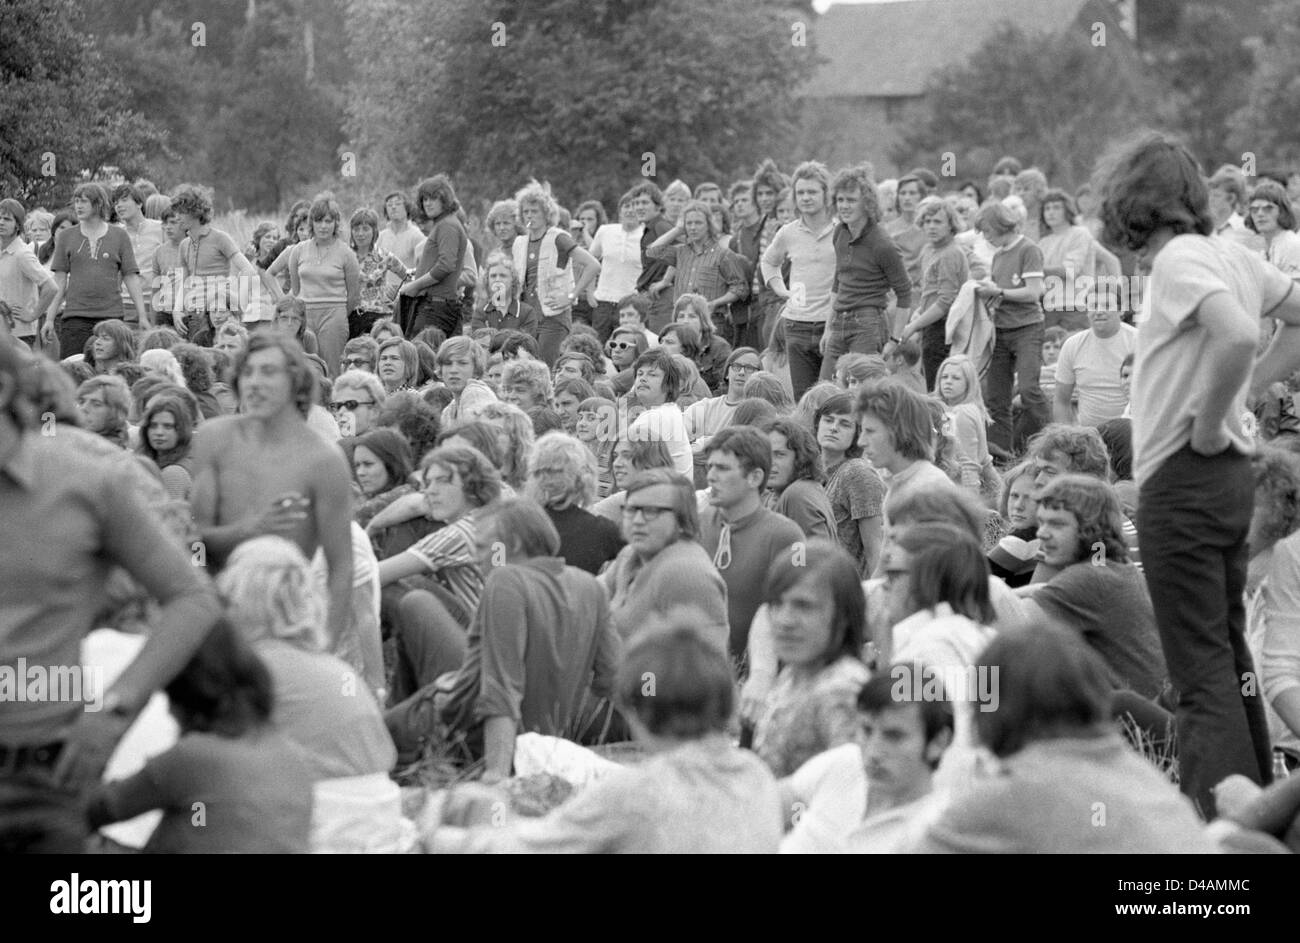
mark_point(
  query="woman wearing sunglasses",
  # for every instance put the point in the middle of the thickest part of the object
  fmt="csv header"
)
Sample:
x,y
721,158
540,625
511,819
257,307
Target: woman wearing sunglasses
x,y
1270,215
663,565
622,349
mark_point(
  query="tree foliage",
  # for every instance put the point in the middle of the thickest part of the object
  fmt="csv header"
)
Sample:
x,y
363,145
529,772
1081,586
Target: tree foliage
x,y
1055,101
1268,125
587,94
62,117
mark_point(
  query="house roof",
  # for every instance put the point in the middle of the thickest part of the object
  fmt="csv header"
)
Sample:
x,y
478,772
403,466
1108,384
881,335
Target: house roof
x,y
892,49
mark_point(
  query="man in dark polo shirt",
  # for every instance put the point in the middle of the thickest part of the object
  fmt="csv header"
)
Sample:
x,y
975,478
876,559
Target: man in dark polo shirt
x,y
741,535
867,265
73,510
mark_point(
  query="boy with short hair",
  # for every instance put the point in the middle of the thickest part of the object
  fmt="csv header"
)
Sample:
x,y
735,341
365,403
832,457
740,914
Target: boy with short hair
x,y
904,360
634,311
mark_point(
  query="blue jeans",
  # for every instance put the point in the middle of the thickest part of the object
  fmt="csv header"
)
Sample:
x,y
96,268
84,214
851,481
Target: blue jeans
x,y
803,346
856,331
551,333
1193,518
1017,355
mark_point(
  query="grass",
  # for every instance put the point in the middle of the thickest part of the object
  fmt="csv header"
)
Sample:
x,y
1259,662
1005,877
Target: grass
x,y
1162,755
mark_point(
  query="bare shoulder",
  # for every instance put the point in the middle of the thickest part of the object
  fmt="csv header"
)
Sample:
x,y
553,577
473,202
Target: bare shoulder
x,y
215,434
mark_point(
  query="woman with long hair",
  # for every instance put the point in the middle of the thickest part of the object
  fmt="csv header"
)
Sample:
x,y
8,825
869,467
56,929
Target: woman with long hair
x,y
966,423
166,435
818,613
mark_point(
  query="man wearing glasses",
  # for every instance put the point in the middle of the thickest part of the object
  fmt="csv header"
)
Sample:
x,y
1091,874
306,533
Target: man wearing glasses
x,y
355,401
706,417
360,353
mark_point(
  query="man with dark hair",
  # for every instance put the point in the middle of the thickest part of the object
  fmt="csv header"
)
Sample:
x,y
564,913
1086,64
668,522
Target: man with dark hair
x,y
1096,590
1195,353
747,229
540,640
655,273
742,536
436,285
863,797
73,512
146,236
1062,765
265,471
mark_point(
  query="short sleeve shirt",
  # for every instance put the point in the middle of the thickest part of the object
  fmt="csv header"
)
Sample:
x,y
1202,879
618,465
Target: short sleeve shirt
x,y
1014,265
95,272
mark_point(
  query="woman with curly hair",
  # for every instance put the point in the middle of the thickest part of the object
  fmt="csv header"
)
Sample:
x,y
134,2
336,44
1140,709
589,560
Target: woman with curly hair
x,y
515,434
196,369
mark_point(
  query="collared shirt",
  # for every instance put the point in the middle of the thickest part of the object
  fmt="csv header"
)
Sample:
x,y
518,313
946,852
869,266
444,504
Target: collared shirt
x,y
867,266
21,277
812,268
711,270
76,501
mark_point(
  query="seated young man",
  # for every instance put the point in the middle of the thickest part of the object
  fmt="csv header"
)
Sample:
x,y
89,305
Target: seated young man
x,y
1096,590
540,639
1074,450
864,797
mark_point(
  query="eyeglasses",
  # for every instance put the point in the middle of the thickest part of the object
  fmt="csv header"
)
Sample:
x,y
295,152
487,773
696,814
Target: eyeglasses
x,y
648,512
356,362
350,404
746,367
1263,207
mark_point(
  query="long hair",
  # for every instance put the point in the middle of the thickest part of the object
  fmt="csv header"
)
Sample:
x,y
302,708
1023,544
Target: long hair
x,y
180,413
393,453
224,689
1148,183
974,393
270,593
837,575
948,566
302,378
1095,507
121,335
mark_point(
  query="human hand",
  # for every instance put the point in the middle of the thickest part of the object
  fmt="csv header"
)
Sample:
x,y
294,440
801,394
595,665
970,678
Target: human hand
x,y
47,332
408,289
285,515
753,695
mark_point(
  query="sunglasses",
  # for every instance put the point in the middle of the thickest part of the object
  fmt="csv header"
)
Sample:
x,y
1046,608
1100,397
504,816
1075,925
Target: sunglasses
x,y
356,362
350,404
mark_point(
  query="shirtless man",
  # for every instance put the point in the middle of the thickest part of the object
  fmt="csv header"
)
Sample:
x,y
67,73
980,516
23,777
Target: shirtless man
x,y
264,471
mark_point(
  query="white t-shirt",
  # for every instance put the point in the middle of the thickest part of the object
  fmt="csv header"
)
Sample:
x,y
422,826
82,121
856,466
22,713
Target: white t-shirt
x,y
404,244
1171,372
1092,365
665,424
619,253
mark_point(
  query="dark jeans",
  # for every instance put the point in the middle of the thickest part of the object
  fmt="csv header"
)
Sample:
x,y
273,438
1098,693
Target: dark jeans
x,y
73,334
802,345
604,319
442,313
855,331
748,333
1017,355
934,351
551,333
37,818
1193,517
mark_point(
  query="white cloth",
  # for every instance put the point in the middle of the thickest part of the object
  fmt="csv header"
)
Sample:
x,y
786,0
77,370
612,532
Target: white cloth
x,y
969,328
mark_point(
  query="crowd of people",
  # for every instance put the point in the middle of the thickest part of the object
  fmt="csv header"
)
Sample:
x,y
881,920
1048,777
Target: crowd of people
x,y
872,512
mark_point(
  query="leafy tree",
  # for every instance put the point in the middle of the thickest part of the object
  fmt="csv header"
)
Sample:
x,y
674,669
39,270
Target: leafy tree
x,y
61,105
1269,124
1054,101
587,94
1202,64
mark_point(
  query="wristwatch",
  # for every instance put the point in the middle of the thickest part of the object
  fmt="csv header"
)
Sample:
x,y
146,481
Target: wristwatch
x,y
895,340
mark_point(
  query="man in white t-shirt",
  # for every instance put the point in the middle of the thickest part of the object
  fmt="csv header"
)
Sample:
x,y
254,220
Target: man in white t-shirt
x,y
1195,357
1088,370
869,797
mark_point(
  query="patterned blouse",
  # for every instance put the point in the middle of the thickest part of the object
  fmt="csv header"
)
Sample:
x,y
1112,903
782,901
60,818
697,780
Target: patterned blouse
x,y
809,712
382,275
